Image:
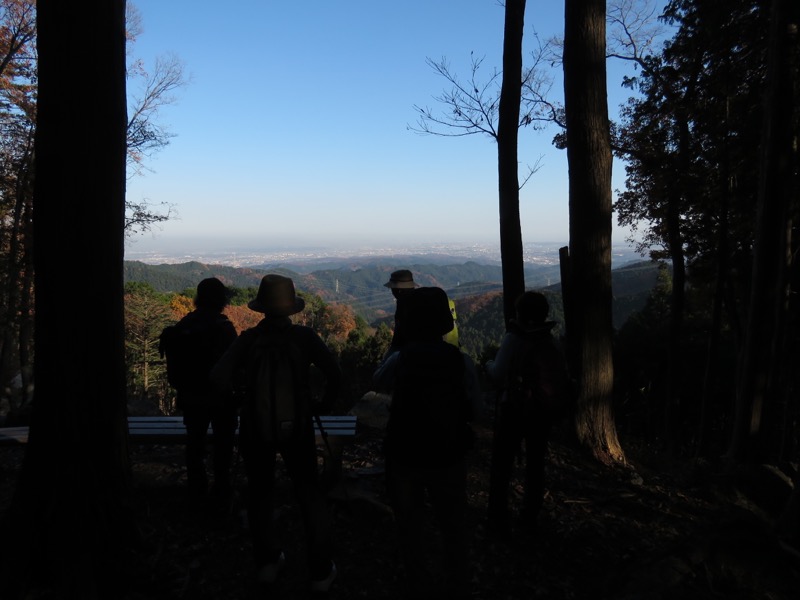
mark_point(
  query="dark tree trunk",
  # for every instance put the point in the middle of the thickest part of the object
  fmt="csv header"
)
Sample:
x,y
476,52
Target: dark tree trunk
x,y
677,309
711,373
67,515
758,385
589,156
507,161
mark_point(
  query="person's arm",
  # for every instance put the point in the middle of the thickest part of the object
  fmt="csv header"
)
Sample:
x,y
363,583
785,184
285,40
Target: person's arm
x,y
322,358
229,334
223,373
498,369
383,377
473,386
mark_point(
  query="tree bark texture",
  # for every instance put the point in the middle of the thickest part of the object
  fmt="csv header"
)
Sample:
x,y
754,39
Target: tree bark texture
x,y
507,160
589,156
67,512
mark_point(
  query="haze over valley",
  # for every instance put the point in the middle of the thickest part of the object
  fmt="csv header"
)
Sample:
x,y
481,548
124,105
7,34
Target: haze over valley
x,y
314,256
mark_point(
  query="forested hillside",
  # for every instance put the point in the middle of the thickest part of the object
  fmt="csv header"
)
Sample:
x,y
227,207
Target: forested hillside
x,y
361,285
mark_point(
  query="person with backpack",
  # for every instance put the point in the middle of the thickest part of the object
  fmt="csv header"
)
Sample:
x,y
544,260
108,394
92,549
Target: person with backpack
x,y
434,397
531,372
192,347
272,362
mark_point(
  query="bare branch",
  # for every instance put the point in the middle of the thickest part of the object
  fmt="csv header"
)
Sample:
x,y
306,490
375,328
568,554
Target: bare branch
x,y
471,107
633,29
531,170
145,135
537,110
140,218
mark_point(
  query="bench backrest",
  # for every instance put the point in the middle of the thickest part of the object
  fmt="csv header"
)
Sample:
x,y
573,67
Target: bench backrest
x,y
170,429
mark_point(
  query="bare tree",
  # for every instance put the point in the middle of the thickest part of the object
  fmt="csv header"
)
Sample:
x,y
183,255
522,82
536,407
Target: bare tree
x,y
17,115
498,106
152,91
633,30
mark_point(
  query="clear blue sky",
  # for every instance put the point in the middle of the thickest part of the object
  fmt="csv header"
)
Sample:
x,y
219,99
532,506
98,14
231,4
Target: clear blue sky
x,y
293,128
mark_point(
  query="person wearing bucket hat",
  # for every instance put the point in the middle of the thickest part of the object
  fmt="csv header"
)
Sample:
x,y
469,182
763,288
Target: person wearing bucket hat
x,y
277,297
400,283
192,347
244,361
401,279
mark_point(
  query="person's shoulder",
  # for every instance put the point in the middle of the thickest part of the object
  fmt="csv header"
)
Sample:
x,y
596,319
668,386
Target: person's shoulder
x,y
304,335
188,319
201,318
299,330
223,318
249,334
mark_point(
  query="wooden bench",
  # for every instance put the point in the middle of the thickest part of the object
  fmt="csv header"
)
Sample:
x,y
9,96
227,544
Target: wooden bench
x,y
170,430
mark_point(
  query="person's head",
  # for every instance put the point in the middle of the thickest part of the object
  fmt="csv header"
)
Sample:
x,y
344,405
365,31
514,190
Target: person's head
x,y
211,294
532,309
426,314
276,297
401,282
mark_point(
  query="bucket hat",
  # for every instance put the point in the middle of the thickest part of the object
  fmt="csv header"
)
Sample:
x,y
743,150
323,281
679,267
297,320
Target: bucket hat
x,y
276,297
401,279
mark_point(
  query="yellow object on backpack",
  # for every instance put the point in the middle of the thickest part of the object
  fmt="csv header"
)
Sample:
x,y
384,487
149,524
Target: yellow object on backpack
x,y
452,336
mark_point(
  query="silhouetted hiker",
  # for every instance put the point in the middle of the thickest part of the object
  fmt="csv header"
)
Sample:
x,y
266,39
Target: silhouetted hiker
x,y
192,347
272,361
400,283
532,373
434,395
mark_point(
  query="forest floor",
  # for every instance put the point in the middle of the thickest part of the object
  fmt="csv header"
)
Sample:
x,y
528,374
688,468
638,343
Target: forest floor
x,y
645,532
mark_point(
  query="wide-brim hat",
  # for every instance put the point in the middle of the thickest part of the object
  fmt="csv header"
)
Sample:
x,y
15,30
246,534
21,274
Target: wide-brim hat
x,y
276,297
401,279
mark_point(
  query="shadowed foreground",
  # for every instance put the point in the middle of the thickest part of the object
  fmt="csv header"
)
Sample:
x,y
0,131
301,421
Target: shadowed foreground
x,y
647,533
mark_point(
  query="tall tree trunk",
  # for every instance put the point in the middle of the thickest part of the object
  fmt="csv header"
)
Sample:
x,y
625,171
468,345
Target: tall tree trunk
x,y
711,372
507,161
677,308
589,156
758,383
67,514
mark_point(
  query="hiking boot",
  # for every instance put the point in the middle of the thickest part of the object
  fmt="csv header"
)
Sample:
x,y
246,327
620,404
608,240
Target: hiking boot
x,y
269,572
324,584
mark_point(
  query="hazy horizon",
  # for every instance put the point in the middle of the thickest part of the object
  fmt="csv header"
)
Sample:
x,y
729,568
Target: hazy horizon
x,y
244,252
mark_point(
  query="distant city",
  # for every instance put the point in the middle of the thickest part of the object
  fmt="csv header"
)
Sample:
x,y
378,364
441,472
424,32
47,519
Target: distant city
x,y
538,254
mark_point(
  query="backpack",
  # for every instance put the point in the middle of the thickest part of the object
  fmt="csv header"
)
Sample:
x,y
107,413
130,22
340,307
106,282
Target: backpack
x,y
188,347
539,380
277,404
430,411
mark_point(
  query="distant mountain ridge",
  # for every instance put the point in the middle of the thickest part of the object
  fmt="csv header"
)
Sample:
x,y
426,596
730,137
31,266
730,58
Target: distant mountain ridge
x,y
360,284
